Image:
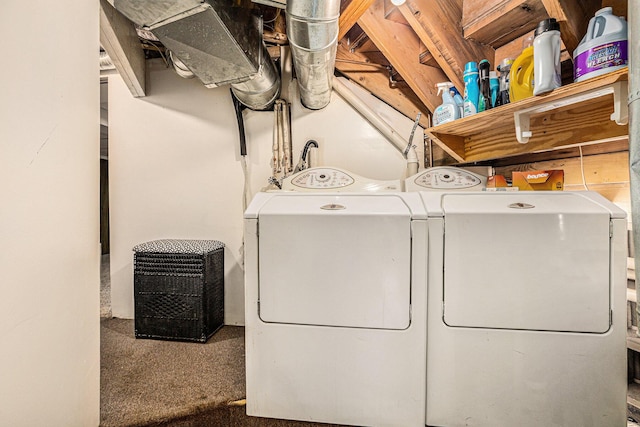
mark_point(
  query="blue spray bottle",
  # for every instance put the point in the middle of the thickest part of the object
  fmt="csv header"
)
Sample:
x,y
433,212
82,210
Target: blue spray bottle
x,y
471,89
458,99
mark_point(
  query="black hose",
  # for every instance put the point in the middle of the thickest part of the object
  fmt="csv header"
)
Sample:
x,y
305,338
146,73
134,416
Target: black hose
x,y
240,119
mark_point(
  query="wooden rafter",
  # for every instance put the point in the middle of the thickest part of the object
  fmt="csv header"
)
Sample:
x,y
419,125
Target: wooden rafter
x,y
437,24
497,22
351,14
573,17
376,80
400,45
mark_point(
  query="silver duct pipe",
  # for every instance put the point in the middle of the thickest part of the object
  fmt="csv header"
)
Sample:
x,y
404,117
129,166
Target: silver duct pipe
x,y
634,130
312,29
217,42
260,92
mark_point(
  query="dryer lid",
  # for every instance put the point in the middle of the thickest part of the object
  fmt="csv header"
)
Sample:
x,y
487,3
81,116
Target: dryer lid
x,y
438,203
528,261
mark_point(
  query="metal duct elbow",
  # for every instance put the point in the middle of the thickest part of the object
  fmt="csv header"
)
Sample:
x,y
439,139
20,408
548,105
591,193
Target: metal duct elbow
x,y
260,92
312,28
216,41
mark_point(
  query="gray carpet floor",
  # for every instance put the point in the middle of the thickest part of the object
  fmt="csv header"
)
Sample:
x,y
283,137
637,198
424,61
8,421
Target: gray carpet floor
x,y
169,383
157,383
146,382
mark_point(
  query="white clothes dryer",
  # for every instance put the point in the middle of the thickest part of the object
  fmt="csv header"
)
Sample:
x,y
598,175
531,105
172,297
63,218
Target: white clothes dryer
x,y
526,309
449,178
335,304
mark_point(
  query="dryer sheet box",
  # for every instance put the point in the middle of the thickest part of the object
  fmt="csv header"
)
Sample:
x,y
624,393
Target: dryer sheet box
x,y
539,180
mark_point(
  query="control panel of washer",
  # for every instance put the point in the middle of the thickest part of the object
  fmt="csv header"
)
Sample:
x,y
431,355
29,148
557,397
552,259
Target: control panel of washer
x,y
446,178
333,179
322,178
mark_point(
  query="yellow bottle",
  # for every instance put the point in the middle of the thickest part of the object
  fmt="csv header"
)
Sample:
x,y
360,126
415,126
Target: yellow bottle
x,y
521,76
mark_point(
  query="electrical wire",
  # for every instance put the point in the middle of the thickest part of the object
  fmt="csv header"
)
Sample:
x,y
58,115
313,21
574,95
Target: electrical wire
x,y
584,181
159,51
245,190
274,18
413,131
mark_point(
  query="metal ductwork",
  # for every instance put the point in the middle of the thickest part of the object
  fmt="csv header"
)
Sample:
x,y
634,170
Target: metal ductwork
x,y
312,29
217,42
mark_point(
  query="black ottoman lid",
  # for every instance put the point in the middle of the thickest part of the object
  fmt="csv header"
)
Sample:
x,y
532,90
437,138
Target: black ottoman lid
x,y
179,246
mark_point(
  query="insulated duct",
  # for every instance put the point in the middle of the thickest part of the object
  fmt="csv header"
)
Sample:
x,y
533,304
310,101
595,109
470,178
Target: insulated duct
x,y
217,42
312,29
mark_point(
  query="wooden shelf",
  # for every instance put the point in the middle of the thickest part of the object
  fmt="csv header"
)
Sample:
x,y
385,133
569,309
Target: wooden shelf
x,y
575,114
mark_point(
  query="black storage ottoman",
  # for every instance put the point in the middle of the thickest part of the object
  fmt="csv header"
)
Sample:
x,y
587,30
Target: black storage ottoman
x,y
178,289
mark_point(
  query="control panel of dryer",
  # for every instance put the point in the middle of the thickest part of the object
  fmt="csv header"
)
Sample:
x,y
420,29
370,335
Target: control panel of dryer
x,y
334,179
446,178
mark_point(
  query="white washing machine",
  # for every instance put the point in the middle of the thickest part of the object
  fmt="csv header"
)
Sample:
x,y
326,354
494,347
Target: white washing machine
x,y
526,309
335,302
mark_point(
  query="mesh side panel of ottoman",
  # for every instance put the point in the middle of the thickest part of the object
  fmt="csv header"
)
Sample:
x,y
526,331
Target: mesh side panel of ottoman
x,y
179,296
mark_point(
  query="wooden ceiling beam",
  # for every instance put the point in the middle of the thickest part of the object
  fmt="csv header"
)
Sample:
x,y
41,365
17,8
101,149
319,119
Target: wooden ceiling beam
x,y
497,22
573,17
400,45
375,79
119,39
438,25
351,14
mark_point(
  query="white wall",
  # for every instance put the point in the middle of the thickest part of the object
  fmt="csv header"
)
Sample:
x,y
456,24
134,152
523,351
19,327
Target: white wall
x,y
175,170
49,219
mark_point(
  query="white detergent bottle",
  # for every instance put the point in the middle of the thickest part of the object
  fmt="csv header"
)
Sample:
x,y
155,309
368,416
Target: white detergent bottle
x,y
546,57
448,111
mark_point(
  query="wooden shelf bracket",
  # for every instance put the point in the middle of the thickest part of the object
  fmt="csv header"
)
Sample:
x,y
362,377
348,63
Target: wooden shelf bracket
x,y
620,113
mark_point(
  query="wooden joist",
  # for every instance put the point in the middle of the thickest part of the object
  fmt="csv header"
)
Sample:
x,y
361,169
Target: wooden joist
x,y
119,39
437,24
573,16
400,46
497,22
376,80
351,14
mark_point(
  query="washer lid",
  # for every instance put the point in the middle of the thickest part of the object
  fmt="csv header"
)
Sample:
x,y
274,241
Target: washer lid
x,y
335,260
532,261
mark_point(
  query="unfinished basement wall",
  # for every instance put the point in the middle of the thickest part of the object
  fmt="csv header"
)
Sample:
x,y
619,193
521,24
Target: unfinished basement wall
x,y
605,173
49,230
175,170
